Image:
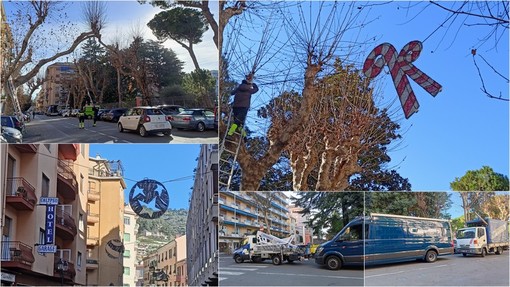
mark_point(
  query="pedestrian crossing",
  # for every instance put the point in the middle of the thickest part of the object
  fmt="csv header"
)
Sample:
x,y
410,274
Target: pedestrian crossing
x,y
227,270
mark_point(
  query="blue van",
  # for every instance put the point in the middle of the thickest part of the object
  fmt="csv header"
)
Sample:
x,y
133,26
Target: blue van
x,y
386,238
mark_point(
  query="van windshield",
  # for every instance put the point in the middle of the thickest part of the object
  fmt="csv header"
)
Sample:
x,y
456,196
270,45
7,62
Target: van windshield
x,y
466,233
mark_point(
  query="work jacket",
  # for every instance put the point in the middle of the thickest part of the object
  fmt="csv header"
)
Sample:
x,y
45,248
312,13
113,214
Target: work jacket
x,y
243,94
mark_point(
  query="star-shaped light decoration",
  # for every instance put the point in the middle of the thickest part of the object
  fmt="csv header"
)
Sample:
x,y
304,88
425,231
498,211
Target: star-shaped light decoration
x,y
149,199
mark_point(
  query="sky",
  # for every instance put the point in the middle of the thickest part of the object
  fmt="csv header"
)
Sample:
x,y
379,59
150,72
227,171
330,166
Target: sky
x,y
160,162
123,16
460,129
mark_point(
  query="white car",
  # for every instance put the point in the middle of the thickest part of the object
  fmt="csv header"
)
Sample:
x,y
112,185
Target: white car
x,y
145,120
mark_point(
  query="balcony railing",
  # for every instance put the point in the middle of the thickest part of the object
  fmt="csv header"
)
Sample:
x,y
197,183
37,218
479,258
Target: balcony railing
x,y
67,175
93,195
92,217
17,254
66,227
92,264
20,193
92,241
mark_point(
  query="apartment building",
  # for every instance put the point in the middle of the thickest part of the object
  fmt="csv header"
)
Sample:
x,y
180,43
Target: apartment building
x,y
35,250
244,213
105,223
168,264
300,228
57,88
202,223
130,246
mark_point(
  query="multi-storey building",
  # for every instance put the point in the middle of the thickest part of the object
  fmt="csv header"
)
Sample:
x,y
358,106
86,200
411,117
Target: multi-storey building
x,y
30,173
105,223
169,259
244,213
202,223
57,87
130,246
301,229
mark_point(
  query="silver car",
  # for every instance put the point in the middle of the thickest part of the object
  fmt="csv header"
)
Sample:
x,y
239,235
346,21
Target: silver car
x,y
197,119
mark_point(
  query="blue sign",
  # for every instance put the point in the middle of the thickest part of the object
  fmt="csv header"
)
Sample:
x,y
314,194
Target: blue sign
x,y
50,248
48,200
49,235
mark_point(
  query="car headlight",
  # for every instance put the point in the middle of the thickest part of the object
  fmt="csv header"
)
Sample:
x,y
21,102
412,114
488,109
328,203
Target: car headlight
x,y
319,250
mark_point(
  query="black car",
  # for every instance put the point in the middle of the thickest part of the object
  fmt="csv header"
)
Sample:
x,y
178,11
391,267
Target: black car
x,y
12,122
114,114
171,109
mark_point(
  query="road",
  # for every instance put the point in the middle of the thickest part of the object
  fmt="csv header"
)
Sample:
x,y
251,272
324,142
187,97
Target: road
x,y
305,273
58,129
453,270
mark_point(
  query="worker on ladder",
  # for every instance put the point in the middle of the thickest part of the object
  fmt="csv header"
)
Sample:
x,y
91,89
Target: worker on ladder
x,y
242,98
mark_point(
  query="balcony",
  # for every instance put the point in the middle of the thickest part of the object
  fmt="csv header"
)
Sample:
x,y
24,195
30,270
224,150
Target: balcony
x,y
92,264
16,254
179,278
67,185
69,151
69,274
93,195
92,241
92,217
20,194
66,226
27,148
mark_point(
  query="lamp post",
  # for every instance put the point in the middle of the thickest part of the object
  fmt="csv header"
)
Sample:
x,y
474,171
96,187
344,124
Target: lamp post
x,y
62,267
151,274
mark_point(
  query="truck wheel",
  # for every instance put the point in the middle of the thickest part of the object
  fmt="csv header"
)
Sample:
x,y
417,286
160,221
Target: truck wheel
x,y
333,263
499,250
238,259
276,260
431,256
484,252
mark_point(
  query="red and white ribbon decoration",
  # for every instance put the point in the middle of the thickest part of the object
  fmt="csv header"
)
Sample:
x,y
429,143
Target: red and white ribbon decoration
x,y
400,67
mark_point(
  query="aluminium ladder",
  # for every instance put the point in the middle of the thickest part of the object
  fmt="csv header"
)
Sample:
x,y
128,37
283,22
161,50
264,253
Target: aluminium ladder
x,y
229,149
11,91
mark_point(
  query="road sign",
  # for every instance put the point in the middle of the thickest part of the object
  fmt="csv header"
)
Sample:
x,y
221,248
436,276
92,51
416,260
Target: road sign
x,y
48,200
47,248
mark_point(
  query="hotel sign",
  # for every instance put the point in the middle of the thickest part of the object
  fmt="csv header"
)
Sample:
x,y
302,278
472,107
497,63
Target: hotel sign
x,y
48,201
8,277
49,248
49,234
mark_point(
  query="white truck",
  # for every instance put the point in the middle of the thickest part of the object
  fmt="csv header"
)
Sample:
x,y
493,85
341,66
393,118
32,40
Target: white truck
x,y
482,236
262,246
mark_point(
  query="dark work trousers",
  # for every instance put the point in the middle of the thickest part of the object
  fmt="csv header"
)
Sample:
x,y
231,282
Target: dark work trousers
x,y
239,115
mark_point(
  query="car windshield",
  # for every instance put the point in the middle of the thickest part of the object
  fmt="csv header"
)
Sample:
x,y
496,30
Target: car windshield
x,y
466,233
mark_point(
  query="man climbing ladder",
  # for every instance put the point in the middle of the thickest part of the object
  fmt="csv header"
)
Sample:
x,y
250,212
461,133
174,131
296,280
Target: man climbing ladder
x,y
242,98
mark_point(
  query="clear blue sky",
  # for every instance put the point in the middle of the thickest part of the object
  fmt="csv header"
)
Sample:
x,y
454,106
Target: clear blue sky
x,y
161,162
458,130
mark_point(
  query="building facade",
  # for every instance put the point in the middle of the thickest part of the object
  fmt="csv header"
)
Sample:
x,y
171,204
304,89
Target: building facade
x,y
202,223
105,223
244,213
35,250
58,87
301,230
130,247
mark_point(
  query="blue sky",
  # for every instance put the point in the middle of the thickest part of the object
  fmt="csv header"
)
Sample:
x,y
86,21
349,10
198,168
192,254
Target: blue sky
x,y
160,162
458,130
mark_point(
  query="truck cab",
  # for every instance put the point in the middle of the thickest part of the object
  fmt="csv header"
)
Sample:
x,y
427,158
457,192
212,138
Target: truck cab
x,y
482,236
471,240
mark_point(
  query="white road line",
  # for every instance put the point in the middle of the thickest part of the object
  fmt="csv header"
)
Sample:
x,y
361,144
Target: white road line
x,y
228,268
400,272
231,273
310,275
383,274
221,278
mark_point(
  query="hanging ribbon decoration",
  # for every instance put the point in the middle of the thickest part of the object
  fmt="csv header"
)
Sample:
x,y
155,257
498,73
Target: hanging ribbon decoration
x,y
400,67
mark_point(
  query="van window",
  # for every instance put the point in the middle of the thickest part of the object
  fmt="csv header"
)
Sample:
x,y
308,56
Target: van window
x,y
352,233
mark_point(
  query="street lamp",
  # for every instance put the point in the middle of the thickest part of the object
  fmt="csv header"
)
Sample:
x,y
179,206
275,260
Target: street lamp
x,y
62,267
151,274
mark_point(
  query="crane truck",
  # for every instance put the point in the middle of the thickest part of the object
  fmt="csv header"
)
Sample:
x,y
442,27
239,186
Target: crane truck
x,y
263,246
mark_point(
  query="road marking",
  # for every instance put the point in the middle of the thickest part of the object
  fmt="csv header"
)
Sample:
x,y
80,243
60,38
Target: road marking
x,y
230,273
221,278
229,268
310,275
399,272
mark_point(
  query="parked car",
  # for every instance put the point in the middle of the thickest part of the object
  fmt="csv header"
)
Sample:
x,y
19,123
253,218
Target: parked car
x,y
12,122
145,120
100,112
74,112
171,109
11,135
103,115
199,119
114,114
66,112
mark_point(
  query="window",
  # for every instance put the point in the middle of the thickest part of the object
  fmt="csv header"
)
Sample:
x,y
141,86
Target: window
x,y
126,220
78,259
127,271
127,237
127,253
81,183
45,185
41,236
80,222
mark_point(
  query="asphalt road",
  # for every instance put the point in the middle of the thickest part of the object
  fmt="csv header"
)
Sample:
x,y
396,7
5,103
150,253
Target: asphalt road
x,y
58,129
453,270
305,273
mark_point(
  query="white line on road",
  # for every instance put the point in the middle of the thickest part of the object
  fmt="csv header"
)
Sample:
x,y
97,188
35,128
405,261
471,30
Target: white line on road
x,y
221,278
244,269
310,275
399,272
231,273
